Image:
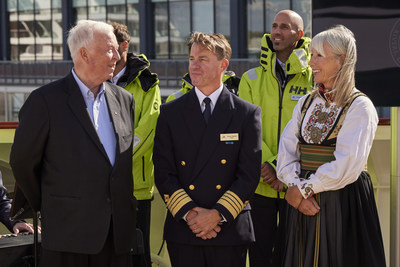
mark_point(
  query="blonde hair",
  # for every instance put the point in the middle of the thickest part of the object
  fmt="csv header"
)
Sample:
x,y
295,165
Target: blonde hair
x,y
82,34
341,42
216,43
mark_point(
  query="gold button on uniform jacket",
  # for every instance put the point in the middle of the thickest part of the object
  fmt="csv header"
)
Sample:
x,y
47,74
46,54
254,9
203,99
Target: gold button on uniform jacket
x,y
214,165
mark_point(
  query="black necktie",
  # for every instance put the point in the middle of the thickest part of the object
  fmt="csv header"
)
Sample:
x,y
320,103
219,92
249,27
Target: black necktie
x,y
207,110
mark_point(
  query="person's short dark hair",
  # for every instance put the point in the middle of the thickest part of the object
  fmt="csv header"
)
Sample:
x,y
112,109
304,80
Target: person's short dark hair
x,y
121,32
216,43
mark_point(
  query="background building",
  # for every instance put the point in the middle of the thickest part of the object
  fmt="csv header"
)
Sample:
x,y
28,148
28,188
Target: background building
x,y
35,29
33,50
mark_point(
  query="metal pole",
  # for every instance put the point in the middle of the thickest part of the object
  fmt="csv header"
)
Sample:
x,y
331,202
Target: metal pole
x,y
35,237
4,31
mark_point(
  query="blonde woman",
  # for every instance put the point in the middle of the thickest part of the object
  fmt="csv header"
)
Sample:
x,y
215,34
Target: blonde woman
x,y
332,218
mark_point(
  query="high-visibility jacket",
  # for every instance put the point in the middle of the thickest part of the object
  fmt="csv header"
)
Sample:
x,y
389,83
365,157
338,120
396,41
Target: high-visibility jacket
x,y
143,85
267,87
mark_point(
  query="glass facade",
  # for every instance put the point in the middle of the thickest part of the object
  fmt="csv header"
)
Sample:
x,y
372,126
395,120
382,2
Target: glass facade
x,y
35,29
2,107
203,11
159,28
261,14
14,102
176,19
121,11
36,26
172,20
11,102
223,18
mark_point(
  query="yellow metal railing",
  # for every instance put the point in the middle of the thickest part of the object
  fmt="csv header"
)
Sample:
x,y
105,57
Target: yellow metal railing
x,y
382,165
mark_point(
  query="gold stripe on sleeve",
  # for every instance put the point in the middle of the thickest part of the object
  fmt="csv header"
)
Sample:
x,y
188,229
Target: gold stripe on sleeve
x,y
232,203
178,199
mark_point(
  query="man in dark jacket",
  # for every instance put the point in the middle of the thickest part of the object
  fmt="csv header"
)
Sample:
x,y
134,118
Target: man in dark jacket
x,y
14,226
72,157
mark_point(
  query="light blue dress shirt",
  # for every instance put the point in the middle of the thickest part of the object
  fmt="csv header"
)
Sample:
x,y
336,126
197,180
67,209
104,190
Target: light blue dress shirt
x,y
100,116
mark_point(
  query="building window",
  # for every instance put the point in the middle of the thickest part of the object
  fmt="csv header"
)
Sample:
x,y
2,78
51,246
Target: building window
x,y
203,16
223,18
133,26
172,28
121,11
2,107
35,30
179,28
303,7
161,30
15,102
176,19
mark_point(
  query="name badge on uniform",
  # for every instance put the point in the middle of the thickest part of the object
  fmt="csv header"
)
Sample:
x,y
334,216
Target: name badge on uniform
x,y
228,137
295,97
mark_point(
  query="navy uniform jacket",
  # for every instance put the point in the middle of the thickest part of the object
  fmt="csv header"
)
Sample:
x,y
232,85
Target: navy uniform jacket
x,y
210,166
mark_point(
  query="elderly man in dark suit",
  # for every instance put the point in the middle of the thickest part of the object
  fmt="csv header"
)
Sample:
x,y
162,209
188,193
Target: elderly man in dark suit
x,y
207,156
72,157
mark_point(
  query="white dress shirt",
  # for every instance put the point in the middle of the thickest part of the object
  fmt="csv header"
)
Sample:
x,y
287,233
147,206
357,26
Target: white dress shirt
x,y
213,97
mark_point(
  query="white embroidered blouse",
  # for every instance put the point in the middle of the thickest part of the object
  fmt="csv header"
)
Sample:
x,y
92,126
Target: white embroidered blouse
x,y
353,144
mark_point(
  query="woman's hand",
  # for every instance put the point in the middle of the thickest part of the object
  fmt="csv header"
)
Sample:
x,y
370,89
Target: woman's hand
x,y
294,197
309,206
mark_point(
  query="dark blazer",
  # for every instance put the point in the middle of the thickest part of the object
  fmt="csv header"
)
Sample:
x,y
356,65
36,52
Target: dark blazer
x,y
196,166
63,170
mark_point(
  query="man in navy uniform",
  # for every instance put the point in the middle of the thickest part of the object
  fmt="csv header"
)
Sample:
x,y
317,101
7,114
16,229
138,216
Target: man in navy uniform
x,y
207,156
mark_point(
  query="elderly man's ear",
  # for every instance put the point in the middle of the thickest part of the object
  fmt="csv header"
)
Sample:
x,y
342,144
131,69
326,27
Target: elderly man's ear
x,y
84,54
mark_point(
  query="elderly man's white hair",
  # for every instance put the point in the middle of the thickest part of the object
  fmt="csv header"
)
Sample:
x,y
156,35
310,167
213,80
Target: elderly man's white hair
x,y
82,34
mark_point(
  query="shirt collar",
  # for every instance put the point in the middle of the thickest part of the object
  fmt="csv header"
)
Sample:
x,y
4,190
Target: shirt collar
x,y
84,89
329,96
115,79
214,96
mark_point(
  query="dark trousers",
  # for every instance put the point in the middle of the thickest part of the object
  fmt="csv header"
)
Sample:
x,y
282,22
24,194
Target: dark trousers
x,y
184,255
267,250
105,258
143,213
